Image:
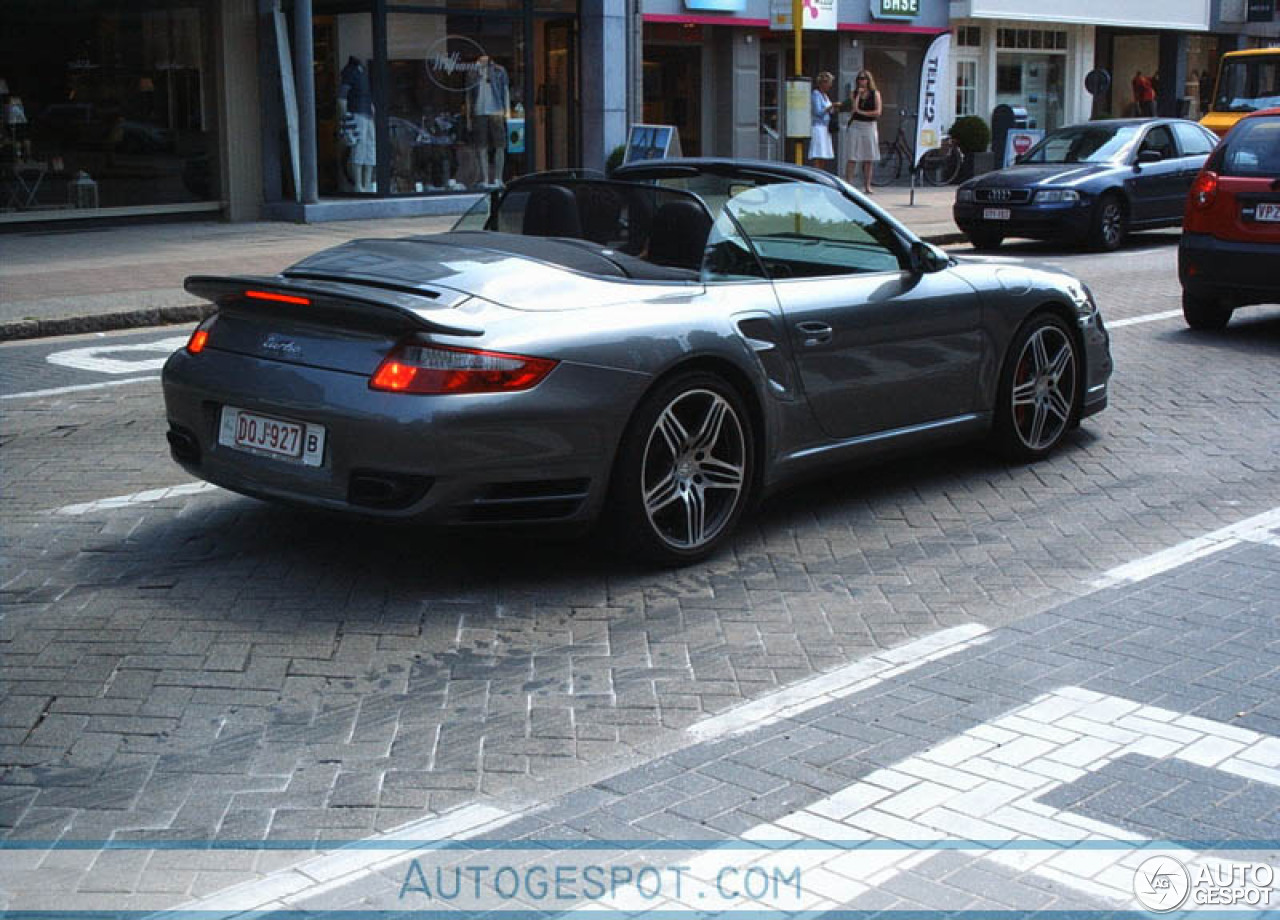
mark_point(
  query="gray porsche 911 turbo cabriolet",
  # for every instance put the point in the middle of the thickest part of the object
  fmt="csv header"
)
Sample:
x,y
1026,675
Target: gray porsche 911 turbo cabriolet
x,y
657,349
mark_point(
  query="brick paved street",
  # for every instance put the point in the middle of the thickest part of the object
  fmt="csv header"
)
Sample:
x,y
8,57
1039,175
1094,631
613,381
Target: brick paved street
x,y
196,665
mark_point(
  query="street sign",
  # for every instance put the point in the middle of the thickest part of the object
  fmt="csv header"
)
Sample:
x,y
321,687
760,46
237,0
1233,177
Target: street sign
x,y
1019,141
818,14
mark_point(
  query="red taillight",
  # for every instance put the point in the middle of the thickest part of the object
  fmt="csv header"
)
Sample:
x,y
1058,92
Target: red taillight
x,y
200,337
441,369
279,298
1205,189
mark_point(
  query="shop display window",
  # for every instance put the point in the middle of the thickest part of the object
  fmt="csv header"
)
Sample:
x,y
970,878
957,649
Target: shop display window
x,y
106,105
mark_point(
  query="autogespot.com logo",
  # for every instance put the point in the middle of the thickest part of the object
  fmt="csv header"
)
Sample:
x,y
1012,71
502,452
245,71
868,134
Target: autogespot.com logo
x,y
1161,883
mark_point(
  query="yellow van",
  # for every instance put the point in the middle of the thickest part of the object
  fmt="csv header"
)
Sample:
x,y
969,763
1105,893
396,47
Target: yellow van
x,y
1247,81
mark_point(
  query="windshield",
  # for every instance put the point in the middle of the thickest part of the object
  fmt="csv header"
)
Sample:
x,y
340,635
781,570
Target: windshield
x,y
1091,143
1246,84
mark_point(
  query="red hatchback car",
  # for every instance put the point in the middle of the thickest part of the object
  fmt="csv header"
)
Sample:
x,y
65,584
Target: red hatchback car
x,y
1230,245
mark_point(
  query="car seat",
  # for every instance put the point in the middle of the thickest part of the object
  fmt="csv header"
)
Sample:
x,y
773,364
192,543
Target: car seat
x,y
678,234
552,210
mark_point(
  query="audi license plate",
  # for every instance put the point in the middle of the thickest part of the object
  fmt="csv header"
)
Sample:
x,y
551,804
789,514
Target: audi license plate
x,y
996,214
300,442
1267,211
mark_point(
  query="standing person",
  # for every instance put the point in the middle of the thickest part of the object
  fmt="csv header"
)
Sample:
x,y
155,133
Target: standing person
x,y
820,110
1144,96
861,142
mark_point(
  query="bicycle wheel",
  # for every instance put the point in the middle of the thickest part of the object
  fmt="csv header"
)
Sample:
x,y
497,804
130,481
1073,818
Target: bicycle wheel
x,y
890,164
941,166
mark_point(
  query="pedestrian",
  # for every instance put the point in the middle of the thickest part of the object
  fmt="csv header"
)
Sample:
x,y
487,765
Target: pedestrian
x,y
1144,96
861,141
821,109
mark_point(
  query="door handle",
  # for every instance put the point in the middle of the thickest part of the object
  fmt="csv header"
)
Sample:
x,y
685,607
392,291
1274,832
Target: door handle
x,y
814,332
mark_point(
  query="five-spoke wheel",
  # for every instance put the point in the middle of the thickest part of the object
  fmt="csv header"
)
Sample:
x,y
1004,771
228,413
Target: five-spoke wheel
x,y
1038,388
686,469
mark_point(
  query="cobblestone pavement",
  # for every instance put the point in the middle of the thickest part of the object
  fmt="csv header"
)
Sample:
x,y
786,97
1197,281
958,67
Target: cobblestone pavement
x,y
199,665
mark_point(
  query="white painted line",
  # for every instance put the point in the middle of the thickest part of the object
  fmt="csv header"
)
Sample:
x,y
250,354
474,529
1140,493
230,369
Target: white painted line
x,y
95,357
1257,529
59,391
837,684
1146,318
343,866
137,498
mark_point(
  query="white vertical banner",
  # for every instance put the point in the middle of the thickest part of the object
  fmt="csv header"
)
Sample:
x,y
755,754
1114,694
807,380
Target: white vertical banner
x,y
934,109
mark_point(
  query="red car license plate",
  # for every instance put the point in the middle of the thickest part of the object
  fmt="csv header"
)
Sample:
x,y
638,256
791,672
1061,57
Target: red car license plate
x,y
274,437
1267,211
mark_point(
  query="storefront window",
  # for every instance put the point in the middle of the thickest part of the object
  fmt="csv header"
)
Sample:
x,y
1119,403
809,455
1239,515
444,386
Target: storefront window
x,y
966,87
105,105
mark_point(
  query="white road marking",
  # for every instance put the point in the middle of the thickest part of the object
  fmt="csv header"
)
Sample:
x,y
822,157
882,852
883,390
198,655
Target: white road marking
x,y
95,358
837,684
79,388
1145,318
986,784
329,871
136,498
1258,529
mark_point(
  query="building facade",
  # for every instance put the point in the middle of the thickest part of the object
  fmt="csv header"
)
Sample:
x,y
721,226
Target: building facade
x,y
717,71
299,109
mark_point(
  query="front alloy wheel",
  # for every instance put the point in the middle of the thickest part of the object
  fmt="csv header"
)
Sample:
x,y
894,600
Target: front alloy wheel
x,y
1038,389
685,472
1110,224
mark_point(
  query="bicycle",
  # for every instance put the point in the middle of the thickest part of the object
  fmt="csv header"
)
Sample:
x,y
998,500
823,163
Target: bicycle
x,y
939,166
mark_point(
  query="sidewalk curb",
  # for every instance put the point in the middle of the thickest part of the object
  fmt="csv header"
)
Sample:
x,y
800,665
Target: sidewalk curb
x,y
17,330
103,322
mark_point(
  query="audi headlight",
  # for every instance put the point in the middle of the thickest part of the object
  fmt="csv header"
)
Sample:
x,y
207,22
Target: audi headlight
x,y
1057,195
964,195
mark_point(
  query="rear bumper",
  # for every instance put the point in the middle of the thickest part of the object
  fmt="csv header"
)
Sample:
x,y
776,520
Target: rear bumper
x,y
541,455
1242,273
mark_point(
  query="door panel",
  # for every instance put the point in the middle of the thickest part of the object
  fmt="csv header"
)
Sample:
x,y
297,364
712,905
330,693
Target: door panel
x,y
883,351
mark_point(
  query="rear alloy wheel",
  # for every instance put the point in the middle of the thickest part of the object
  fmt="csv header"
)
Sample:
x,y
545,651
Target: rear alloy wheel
x,y
985,240
1038,387
1204,314
1110,224
686,470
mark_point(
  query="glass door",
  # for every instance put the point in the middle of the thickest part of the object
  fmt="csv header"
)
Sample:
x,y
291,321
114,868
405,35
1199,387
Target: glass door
x,y
556,95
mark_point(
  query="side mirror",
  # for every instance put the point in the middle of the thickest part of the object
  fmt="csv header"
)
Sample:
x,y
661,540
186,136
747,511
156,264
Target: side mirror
x,y
927,258
1150,156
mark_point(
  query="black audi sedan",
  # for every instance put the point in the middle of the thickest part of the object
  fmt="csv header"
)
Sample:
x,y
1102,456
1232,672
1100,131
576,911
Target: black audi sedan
x,y
1089,183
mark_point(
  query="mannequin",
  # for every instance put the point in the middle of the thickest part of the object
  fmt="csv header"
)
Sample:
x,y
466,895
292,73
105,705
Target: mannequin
x,y
489,100
355,120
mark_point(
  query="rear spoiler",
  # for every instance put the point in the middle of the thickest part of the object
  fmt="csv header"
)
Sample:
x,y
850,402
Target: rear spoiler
x,y
338,302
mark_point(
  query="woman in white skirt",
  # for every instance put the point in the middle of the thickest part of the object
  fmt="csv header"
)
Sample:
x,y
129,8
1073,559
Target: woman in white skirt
x,y
821,152
861,141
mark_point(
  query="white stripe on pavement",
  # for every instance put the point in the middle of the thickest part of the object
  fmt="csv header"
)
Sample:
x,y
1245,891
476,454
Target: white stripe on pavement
x,y
59,391
1145,318
837,684
341,867
137,498
1256,529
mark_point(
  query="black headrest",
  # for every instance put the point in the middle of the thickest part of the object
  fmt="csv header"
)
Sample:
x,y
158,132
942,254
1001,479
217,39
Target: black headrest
x,y
678,234
552,210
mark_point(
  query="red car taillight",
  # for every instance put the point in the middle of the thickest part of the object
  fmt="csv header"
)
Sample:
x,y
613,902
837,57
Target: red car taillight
x,y
200,337
435,369
1205,189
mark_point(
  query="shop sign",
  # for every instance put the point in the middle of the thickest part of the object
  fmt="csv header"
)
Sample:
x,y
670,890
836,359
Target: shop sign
x,y
818,14
895,9
1262,10
716,6
453,63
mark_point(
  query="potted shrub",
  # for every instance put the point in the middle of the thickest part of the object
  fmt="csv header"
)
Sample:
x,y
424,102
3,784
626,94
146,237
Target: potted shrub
x,y
615,158
973,136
